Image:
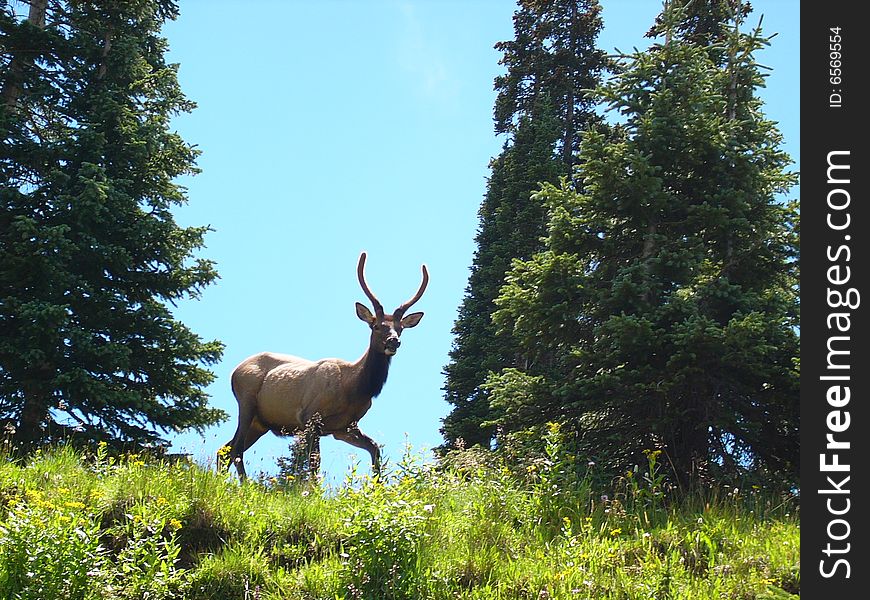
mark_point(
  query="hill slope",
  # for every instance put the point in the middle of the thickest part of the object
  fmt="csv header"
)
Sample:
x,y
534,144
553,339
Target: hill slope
x,y
75,526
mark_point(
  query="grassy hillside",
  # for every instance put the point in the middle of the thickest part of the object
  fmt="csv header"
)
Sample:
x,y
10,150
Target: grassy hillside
x,y
75,526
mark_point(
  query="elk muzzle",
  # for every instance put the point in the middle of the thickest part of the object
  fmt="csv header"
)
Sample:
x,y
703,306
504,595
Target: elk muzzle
x,y
392,345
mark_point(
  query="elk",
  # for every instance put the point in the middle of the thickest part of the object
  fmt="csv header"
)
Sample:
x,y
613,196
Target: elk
x,y
284,394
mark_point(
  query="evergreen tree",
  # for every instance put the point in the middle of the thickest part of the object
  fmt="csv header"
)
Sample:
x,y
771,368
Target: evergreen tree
x,y
665,302
704,23
508,228
90,255
553,56
542,106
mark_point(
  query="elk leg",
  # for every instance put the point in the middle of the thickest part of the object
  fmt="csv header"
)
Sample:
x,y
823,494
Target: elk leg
x,y
312,432
237,444
355,437
226,457
254,433
314,457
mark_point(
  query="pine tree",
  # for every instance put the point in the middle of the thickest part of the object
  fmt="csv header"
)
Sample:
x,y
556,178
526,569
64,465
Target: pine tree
x,y
508,228
666,300
704,23
90,255
542,107
552,56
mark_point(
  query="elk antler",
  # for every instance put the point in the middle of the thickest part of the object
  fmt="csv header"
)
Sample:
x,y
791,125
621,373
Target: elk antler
x,y
401,310
379,309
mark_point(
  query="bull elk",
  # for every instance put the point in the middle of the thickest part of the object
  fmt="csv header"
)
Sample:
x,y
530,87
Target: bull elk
x,y
283,393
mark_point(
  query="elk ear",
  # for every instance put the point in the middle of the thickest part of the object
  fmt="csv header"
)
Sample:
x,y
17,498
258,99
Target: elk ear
x,y
364,313
412,320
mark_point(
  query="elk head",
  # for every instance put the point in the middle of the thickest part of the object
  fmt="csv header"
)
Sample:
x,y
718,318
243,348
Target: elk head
x,y
386,329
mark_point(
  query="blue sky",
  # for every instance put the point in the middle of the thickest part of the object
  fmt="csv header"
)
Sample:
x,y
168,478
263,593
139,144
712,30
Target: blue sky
x,y
328,128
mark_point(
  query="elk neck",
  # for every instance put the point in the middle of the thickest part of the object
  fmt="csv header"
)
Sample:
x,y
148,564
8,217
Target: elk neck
x,y
374,368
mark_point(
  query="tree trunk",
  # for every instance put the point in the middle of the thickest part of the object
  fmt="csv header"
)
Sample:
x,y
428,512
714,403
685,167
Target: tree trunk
x,y
568,142
34,412
692,435
648,249
22,58
107,47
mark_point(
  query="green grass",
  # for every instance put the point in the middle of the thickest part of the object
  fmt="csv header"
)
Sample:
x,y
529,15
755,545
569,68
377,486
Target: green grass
x,y
74,526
